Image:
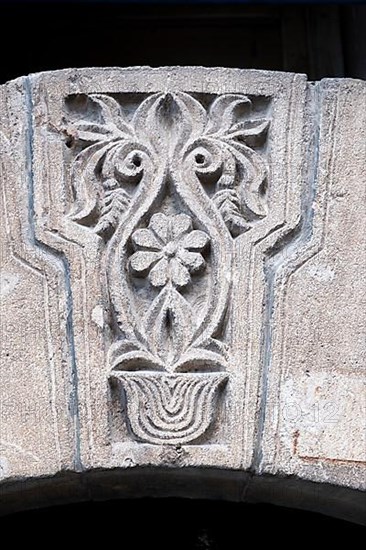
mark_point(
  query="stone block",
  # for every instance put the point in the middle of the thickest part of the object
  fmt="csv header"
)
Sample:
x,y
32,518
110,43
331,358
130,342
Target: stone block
x,y
314,425
36,410
183,286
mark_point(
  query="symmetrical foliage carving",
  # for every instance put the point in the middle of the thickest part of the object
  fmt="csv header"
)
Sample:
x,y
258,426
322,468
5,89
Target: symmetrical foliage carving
x,y
168,181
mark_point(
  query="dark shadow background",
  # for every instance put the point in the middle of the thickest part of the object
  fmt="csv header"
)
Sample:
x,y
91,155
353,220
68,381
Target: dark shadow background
x,y
175,524
320,40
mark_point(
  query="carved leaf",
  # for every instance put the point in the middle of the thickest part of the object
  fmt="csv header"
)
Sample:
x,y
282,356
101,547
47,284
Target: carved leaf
x,y
115,203
89,133
169,325
172,119
253,172
228,204
200,359
252,132
112,115
131,355
112,125
222,112
85,181
109,108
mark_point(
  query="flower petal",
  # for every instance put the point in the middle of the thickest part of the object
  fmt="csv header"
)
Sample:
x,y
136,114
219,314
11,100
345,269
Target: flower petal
x,y
192,260
159,224
145,238
195,240
142,261
180,224
158,276
179,274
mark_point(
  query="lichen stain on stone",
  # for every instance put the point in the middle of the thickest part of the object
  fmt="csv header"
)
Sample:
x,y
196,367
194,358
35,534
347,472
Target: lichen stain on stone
x,y
321,273
97,316
8,282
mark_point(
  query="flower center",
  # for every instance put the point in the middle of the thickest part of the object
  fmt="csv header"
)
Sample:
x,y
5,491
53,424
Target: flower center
x,y
170,250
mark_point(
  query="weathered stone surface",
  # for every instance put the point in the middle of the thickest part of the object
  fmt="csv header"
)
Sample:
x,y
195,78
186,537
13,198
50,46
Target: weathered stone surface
x,y
35,386
183,288
315,400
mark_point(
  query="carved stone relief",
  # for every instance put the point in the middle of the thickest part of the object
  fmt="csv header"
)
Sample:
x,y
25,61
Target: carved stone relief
x,y
172,196
181,280
168,182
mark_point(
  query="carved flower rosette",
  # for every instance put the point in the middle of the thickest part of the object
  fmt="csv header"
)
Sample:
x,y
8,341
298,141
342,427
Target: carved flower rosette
x,y
168,188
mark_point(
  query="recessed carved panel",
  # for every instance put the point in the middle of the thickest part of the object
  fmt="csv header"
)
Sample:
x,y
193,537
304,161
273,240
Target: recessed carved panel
x,y
167,182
